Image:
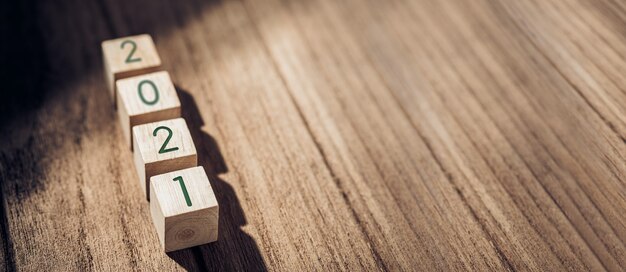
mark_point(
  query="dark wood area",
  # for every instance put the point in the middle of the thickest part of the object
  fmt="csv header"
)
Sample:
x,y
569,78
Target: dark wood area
x,y
353,135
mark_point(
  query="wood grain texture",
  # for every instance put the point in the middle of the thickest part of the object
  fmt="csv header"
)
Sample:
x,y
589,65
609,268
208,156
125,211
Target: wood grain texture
x,y
338,135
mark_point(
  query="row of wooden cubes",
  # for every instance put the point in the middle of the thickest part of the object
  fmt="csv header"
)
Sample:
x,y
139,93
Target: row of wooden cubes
x,y
182,203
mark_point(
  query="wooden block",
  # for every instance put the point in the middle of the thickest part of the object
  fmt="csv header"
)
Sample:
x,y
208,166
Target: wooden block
x,y
128,56
184,209
162,147
145,99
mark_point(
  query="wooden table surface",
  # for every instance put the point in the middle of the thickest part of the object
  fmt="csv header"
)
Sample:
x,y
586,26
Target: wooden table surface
x,y
339,135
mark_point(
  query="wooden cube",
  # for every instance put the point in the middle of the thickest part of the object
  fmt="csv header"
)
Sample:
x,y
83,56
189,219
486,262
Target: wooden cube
x,y
184,209
162,147
128,56
145,99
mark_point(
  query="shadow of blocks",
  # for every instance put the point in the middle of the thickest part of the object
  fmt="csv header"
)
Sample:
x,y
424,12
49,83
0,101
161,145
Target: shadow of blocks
x,y
219,255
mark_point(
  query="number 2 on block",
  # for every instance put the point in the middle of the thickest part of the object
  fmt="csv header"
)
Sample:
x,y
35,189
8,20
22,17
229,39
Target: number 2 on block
x,y
167,140
182,186
130,58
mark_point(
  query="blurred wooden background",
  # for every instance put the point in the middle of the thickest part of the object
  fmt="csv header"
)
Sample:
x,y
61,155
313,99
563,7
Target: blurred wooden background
x,y
340,135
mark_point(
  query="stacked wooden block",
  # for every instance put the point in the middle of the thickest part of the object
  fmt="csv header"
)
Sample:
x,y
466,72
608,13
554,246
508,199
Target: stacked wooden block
x,y
182,204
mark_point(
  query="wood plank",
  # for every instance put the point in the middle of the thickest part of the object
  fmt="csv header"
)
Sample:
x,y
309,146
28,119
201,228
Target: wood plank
x,y
338,90
451,92
338,135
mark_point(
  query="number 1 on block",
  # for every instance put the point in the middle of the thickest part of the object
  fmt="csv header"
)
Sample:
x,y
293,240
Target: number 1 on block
x,y
182,186
180,224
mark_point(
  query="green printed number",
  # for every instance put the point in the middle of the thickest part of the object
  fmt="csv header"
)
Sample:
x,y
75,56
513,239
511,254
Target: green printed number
x,y
133,45
182,186
167,140
154,88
